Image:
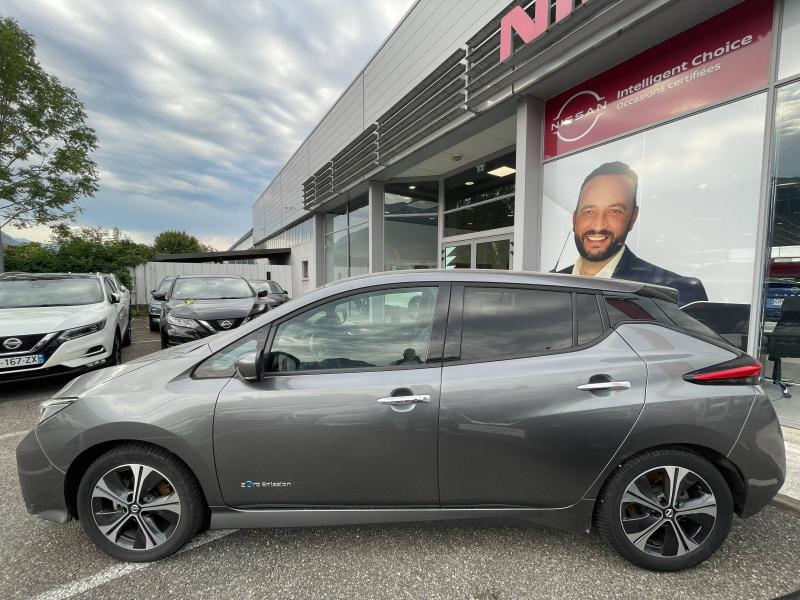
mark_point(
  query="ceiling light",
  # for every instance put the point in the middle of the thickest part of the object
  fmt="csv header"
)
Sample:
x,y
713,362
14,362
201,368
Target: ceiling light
x,y
502,171
469,183
412,187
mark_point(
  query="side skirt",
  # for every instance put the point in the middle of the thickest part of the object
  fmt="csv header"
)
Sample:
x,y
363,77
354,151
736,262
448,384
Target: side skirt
x,y
574,518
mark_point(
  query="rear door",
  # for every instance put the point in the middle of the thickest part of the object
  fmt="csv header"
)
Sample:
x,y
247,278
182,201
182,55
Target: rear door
x,y
537,395
346,412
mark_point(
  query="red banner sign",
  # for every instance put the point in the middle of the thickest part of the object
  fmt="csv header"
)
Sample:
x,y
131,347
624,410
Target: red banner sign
x,y
721,58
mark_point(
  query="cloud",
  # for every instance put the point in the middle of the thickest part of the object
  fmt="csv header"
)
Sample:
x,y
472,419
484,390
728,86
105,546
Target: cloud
x,y
197,104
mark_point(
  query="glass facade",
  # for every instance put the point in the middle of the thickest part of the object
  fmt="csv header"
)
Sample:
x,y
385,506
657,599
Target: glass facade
x,y
410,229
347,240
789,58
299,233
480,198
780,343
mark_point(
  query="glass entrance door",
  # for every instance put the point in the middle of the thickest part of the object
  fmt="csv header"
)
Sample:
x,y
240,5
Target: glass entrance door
x,y
486,253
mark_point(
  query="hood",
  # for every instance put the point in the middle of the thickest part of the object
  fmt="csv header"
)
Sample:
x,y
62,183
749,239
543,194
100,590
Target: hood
x,y
46,319
214,309
88,381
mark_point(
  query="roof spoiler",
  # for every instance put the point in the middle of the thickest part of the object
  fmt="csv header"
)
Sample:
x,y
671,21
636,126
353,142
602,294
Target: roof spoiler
x,y
659,292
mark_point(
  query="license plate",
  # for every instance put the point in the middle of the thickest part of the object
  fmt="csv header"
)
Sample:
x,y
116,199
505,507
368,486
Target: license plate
x,y
21,361
776,301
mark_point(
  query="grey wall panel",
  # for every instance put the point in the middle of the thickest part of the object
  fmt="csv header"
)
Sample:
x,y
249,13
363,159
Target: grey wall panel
x,y
431,33
344,122
293,175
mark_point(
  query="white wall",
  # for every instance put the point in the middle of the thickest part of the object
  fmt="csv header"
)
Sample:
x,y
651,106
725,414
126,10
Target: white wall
x,y
147,276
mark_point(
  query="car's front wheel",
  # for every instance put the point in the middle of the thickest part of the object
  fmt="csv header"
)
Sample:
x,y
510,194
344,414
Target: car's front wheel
x,y
140,503
666,510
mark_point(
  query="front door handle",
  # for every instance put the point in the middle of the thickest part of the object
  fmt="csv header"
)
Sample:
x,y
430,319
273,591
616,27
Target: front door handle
x,y
405,400
605,385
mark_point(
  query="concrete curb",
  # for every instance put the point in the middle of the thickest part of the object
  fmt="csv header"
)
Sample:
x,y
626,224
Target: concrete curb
x,y
786,503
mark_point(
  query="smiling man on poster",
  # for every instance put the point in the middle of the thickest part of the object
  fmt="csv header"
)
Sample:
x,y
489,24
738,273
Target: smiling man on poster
x,y
606,211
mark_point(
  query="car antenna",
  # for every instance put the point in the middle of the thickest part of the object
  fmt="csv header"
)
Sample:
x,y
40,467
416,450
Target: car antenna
x,y
558,260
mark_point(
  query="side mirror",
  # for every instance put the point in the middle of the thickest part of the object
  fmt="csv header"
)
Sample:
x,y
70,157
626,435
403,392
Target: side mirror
x,y
114,297
247,366
263,293
159,296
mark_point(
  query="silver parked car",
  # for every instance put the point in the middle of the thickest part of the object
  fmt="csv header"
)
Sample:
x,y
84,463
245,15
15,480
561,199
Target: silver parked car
x,y
419,396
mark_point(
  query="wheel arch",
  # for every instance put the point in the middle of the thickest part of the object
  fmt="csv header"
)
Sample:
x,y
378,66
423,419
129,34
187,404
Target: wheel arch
x,y
729,471
84,460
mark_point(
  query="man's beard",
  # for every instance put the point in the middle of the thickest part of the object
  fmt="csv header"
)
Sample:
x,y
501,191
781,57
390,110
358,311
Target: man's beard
x,y
616,244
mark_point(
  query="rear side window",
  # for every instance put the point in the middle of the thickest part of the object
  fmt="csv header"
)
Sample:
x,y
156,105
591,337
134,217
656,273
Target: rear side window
x,y
504,322
684,321
590,324
631,309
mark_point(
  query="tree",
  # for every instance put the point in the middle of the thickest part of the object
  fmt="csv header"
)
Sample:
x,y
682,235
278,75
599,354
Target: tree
x,y
178,242
45,144
81,250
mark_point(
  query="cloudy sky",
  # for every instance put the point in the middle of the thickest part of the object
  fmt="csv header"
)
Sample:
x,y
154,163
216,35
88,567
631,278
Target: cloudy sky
x,y
197,104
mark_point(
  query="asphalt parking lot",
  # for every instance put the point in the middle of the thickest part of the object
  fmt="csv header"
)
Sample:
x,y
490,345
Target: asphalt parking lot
x,y
761,558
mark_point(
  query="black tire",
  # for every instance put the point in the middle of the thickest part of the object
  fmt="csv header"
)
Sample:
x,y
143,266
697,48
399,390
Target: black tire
x,y
115,358
153,324
682,540
179,480
126,341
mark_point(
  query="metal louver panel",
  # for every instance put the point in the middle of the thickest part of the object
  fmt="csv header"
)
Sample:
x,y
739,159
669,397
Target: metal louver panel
x,y
435,101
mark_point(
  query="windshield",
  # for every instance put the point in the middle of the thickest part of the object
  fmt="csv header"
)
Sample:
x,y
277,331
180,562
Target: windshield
x,y
211,288
49,292
274,287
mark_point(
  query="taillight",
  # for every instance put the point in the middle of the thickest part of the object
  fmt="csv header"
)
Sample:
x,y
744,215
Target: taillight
x,y
744,370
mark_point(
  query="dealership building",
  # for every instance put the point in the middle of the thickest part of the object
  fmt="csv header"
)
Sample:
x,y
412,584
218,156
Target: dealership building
x,y
467,138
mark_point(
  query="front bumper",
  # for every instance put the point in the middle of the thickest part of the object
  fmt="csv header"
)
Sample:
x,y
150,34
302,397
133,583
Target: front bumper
x,y
73,356
760,456
41,482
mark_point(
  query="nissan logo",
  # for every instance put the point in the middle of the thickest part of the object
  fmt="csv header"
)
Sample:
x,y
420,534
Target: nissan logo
x,y
225,324
12,343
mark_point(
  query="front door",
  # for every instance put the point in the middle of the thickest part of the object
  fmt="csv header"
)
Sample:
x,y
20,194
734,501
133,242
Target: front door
x,y
515,428
483,253
347,411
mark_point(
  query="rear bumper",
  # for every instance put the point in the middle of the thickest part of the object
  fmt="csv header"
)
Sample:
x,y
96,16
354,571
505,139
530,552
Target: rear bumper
x,y
41,482
760,456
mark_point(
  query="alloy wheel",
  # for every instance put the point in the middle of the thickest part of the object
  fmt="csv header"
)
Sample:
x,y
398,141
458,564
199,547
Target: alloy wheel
x,y
668,511
136,507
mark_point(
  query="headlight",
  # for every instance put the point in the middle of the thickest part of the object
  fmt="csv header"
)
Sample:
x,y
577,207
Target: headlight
x,y
71,334
50,407
181,322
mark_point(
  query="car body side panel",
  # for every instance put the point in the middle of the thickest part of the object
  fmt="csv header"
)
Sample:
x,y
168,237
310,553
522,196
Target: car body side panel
x,y
760,456
178,417
678,412
519,432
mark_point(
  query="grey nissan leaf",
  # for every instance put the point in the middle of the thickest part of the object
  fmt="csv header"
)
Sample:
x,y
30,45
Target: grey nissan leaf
x,y
571,402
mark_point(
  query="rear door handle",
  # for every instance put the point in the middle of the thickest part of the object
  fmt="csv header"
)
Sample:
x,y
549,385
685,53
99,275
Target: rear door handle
x,y
605,385
405,400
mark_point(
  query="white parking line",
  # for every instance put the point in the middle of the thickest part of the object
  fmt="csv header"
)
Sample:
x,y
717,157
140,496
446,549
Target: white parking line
x,y
74,588
15,434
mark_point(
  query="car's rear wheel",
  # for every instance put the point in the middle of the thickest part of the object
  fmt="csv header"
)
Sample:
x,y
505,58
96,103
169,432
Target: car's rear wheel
x,y
666,510
140,503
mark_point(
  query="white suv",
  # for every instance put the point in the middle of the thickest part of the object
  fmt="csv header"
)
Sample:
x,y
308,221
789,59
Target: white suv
x,y
52,323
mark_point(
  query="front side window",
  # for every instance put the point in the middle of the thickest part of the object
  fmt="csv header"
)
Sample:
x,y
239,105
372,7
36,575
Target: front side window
x,y
385,329
506,322
221,363
211,288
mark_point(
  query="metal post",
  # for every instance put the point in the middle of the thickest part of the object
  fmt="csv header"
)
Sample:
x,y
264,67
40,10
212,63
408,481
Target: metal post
x,y
376,209
528,187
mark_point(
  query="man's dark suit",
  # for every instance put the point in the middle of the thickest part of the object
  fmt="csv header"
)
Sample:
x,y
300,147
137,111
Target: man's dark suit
x,y
630,266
